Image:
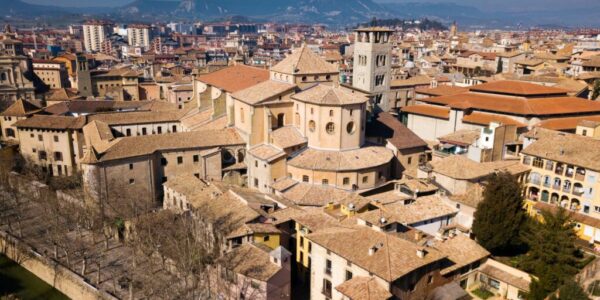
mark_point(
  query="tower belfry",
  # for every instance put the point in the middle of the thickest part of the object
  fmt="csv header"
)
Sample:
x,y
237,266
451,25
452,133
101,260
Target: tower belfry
x,y
372,64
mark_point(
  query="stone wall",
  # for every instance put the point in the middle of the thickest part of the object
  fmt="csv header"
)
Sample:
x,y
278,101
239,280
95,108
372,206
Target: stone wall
x,y
61,278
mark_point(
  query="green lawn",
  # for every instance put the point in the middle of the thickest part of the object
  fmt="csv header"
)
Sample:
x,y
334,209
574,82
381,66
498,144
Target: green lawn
x,y
16,281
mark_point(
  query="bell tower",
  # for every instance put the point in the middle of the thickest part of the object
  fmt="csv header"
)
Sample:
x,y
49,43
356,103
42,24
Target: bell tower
x,y
372,65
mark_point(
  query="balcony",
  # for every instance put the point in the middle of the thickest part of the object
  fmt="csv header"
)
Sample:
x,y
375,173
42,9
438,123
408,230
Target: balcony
x,y
556,187
535,181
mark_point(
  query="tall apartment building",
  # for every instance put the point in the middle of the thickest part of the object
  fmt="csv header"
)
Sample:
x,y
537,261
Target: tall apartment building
x,y
139,35
372,64
94,33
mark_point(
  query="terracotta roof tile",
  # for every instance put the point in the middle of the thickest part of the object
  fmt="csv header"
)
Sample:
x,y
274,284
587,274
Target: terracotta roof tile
x,y
304,61
569,123
485,119
567,148
235,78
519,88
357,159
393,258
428,110
389,127
263,91
323,94
363,288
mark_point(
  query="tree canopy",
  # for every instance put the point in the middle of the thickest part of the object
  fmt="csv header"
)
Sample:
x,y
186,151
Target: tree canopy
x,y
500,216
552,255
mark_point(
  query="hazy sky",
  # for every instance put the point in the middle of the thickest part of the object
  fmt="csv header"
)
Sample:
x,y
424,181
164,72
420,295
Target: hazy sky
x,y
488,5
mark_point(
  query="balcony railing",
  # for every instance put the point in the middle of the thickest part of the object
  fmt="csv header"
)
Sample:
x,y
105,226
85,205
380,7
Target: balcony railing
x,y
535,181
566,189
579,176
556,187
328,271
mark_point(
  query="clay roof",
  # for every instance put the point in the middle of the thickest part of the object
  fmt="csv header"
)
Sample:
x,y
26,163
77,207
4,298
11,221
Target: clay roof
x,y
389,127
20,108
517,88
461,250
428,110
413,81
441,90
363,288
567,148
304,61
266,152
52,122
423,209
250,261
393,258
504,276
462,168
515,105
462,137
569,123
349,160
263,91
315,194
287,136
235,78
322,94
94,106
133,146
138,117
485,119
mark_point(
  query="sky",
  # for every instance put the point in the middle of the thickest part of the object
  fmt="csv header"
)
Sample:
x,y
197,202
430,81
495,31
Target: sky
x,y
486,5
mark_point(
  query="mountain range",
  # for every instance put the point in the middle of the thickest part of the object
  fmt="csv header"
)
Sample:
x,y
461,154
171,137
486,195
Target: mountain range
x,y
336,13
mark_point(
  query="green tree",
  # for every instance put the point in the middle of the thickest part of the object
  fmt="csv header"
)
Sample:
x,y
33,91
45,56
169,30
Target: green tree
x,y
500,67
570,290
552,255
596,90
500,216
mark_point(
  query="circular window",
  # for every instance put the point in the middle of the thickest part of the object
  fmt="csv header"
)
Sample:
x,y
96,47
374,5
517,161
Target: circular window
x,y
330,128
303,78
350,128
328,77
311,125
317,77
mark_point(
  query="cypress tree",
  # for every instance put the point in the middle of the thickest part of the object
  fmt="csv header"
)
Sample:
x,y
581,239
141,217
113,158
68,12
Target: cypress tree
x,y
500,216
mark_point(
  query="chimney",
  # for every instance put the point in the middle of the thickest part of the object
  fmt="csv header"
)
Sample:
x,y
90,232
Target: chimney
x,y
421,253
372,251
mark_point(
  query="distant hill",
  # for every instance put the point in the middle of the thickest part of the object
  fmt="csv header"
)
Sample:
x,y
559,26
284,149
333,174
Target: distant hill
x,y
314,11
335,13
